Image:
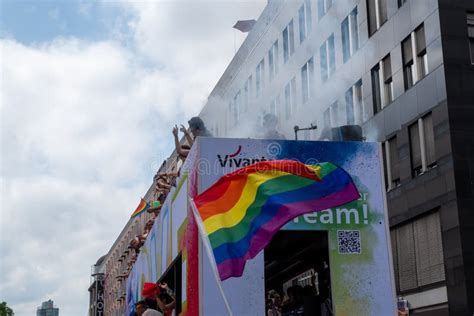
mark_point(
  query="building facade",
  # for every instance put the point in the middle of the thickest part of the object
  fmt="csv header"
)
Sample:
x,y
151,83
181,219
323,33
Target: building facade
x,y
401,69
96,289
120,258
47,309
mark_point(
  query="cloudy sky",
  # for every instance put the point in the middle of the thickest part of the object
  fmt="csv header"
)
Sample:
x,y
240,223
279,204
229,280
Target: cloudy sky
x,y
89,93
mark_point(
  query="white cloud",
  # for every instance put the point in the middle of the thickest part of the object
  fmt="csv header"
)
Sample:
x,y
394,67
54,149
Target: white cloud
x,y
84,126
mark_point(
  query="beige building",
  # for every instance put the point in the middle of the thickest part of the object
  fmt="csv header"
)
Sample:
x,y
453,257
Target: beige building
x,y
119,259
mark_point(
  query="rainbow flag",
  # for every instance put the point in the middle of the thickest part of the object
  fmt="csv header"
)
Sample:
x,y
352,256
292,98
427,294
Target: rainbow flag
x,y
242,211
142,206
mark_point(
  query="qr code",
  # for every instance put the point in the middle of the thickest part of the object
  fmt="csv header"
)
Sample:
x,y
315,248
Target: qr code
x,y
348,241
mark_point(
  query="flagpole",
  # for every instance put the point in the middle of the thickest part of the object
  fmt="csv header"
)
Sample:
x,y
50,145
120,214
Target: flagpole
x,y
212,260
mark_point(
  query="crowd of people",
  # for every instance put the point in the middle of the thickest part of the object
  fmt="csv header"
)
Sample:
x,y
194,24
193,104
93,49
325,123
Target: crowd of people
x,y
163,182
157,298
313,299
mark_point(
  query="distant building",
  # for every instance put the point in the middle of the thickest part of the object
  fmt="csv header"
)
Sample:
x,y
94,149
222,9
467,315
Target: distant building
x,y
96,289
47,309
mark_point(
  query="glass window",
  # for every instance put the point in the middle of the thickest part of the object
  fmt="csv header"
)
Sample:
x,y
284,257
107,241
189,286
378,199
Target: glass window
x,y
421,52
345,36
350,107
323,7
377,13
290,98
247,93
359,110
408,65
394,162
237,108
415,149
354,104
350,36
332,55
259,77
415,59
273,60
323,61
288,41
376,97
307,73
327,118
302,23
429,140
328,58
387,77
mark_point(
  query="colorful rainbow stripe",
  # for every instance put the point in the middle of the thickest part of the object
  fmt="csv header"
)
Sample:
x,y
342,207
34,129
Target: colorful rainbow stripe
x,y
142,206
242,211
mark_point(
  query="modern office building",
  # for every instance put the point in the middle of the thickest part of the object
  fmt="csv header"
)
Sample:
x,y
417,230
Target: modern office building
x,y
404,71
47,309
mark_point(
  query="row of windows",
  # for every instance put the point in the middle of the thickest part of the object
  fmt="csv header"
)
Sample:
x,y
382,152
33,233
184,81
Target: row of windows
x,y
414,60
415,68
422,151
350,44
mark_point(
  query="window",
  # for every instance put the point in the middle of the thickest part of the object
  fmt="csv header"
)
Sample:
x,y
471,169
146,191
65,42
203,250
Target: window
x,y
387,80
401,2
288,41
421,56
377,14
273,60
327,118
275,107
418,252
415,60
290,98
422,145
376,95
354,104
350,35
382,77
237,107
323,7
259,77
305,20
247,93
470,33
392,169
328,58
307,73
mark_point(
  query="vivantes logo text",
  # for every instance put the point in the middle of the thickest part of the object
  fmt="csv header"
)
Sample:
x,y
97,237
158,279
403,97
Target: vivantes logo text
x,y
234,160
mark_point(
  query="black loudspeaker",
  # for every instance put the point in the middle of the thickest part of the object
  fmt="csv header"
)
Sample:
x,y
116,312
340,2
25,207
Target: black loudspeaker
x,y
347,133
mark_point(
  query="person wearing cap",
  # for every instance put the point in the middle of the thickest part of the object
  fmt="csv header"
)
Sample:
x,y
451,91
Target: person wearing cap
x,y
152,294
